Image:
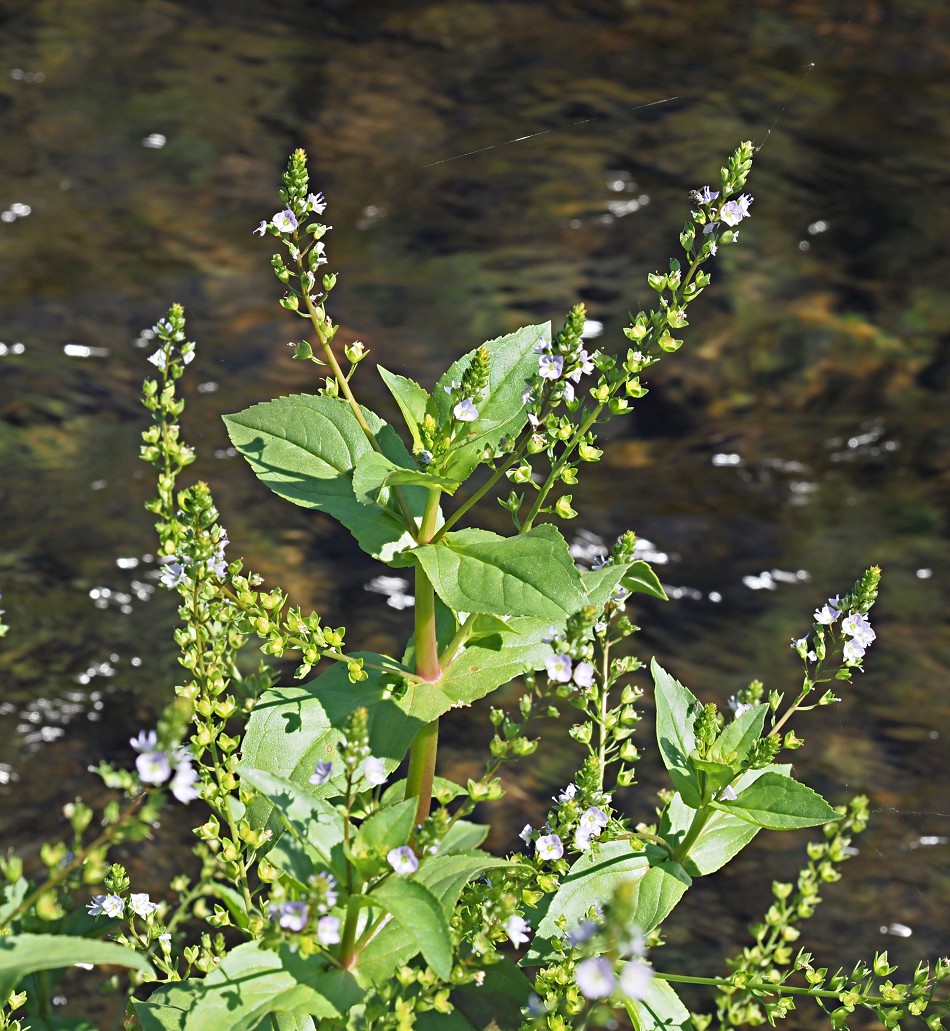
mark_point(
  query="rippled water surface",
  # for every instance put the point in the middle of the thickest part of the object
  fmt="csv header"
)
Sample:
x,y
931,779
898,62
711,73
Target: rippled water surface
x,y
487,164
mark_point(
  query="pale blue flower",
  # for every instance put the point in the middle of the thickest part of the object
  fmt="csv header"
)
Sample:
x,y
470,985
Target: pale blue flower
x,y
853,652
140,904
261,229
403,860
316,203
158,359
292,916
595,977
559,668
328,930
705,196
173,574
147,741
527,832
374,770
567,794
465,411
153,767
728,794
110,905
516,927
285,221
583,367
584,931
734,211
550,366
185,778
584,674
635,978
858,627
549,847
594,820
826,615
322,773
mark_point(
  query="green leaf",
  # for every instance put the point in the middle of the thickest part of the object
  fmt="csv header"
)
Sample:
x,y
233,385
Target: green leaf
x,y
722,837
250,983
387,828
532,574
22,954
641,579
412,400
655,885
443,790
375,474
316,825
675,711
305,448
503,412
463,837
779,803
743,732
482,666
445,880
419,914
291,729
660,1009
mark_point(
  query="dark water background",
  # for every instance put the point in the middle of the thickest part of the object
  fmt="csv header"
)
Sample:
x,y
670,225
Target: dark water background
x,y
800,435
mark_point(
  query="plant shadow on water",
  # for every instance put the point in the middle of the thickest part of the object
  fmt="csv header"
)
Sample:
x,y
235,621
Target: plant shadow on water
x,y
800,435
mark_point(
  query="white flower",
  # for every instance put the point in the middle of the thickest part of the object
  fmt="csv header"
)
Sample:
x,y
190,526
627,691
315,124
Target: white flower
x,y
559,668
550,366
374,770
584,674
595,977
111,905
549,846
567,794
173,574
147,741
635,978
859,628
402,859
328,930
316,203
140,905
516,927
728,794
594,820
526,833
826,615
153,767
285,221
465,411
261,229
158,358
185,778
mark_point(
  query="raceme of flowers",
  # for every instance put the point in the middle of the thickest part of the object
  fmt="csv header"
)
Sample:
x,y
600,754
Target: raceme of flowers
x,y
156,766
855,628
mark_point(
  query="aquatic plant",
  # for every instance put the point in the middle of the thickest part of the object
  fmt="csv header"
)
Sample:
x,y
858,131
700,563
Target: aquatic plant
x,y
342,881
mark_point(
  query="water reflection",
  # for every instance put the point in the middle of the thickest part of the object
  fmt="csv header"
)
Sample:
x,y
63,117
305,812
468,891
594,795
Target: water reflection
x,y
799,436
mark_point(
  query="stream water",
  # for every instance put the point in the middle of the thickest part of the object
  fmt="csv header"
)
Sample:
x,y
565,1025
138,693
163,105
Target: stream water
x,y
486,165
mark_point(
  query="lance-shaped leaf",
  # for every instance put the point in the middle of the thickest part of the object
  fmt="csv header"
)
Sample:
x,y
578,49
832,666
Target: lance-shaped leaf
x,y
421,918
502,412
22,954
532,574
250,984
444,880
305,448
640,578
293,728
723,835
675,712
743,732
779,803
654,885
411,398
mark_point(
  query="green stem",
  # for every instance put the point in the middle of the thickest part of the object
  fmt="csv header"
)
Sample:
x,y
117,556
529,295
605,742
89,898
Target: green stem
x,y
348,954
422,755
63,872
770,988
695,829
